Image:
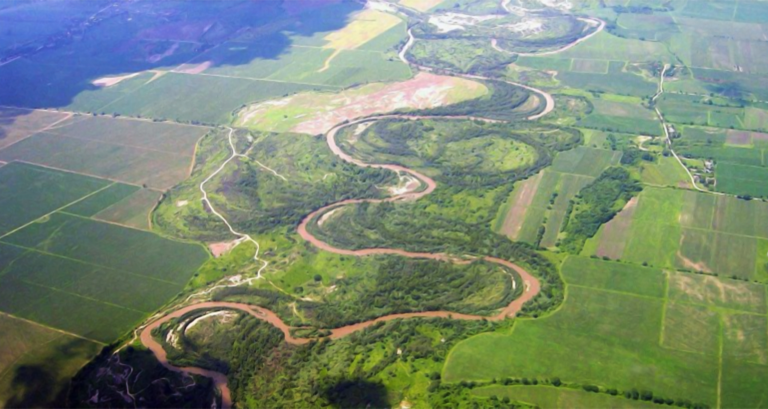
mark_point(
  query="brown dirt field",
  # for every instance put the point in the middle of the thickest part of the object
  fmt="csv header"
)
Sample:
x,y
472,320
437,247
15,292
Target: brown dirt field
x,y
515,217
17,124
614,238
734,137
423,91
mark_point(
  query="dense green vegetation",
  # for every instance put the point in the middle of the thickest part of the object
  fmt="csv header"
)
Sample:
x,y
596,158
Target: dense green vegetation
x,y
254,199
397,285
505,102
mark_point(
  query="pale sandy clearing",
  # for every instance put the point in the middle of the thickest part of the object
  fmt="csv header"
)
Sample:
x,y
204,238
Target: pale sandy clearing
x,y
222,247
315,113
110,81
454,21
421,5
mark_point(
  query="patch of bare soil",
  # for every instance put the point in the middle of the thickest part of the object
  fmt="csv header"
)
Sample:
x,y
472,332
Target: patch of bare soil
x,y
514,219
193,68
690,264
110,81
425,90
220,248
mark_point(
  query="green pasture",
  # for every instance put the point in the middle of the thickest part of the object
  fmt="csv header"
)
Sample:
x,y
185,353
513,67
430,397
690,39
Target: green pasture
x,y
619,330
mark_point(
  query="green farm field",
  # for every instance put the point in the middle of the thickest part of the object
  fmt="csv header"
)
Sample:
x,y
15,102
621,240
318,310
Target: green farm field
x,y
80,275
688,230
29,192
625,317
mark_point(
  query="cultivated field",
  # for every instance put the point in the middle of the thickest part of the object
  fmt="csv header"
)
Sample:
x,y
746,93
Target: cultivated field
x,y
540,204
624,316
77,274
689,230
29,192
17,124
158,155
133,211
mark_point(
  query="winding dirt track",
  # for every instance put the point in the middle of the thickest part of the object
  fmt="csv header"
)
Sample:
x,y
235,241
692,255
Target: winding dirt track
x,y
531,284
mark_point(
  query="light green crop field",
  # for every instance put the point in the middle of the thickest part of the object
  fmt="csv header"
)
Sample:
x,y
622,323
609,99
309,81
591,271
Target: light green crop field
x,y
675,326
132,211
619,330
689,230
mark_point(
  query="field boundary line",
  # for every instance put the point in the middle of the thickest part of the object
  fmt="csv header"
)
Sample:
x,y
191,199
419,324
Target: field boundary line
x,y
63,291
68,115
649,297
61,331
91,264
54,211
202,74
723,232
721,324
96,219
664,308
97,115
112,143
78,173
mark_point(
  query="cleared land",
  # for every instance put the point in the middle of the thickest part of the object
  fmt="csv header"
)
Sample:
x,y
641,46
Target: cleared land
x,y
315,113
421,5
137,152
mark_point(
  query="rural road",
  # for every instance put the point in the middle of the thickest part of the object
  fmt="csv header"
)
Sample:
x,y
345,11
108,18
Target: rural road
x,y
531,284
669,139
